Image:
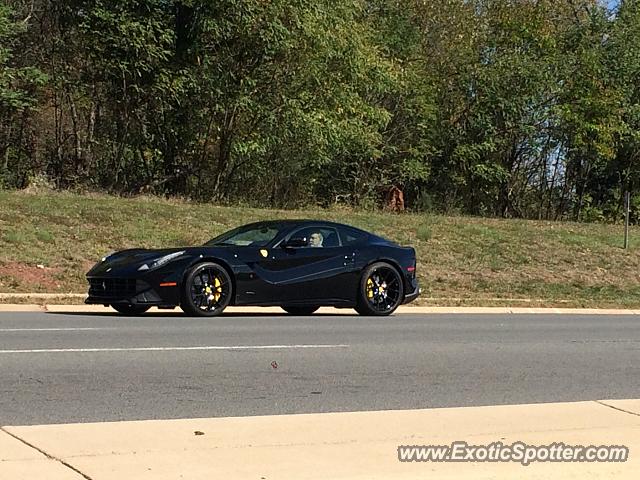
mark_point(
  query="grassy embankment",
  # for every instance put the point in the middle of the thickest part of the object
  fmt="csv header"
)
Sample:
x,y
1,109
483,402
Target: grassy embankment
x,y
461,260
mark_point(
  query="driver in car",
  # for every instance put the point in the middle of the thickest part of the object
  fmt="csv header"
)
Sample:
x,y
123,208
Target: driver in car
x,y
315,240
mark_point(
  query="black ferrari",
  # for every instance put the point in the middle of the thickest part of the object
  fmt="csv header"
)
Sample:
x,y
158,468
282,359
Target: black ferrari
x,y
298,265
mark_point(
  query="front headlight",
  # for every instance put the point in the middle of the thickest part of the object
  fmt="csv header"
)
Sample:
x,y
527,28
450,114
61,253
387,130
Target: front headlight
x,y
158,262
107,256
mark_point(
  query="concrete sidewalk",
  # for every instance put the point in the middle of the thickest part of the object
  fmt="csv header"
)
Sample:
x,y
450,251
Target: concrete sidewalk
x,y
404,309
321,446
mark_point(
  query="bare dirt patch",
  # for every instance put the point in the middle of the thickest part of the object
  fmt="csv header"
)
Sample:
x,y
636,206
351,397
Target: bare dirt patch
x,y
16,274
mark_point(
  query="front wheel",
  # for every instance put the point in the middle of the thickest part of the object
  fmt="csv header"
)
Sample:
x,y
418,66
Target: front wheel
x,y
207,290
126,309
300,310
381,290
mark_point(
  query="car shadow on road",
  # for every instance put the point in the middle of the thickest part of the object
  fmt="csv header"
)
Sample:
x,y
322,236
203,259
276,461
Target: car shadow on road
x,y
181,314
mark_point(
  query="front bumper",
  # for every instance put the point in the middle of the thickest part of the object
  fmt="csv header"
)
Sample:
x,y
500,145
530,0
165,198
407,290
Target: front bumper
x,y
110,290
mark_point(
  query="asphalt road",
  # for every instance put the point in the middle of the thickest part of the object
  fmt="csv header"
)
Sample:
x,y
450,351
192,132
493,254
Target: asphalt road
x,y
63,368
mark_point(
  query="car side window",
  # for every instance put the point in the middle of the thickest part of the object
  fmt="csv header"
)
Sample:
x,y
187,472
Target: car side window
x,y
255,237
351,236
318,237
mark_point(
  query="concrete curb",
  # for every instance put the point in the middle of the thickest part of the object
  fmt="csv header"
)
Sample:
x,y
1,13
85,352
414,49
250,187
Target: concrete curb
x,y
48,302
352,445
404,310
45,296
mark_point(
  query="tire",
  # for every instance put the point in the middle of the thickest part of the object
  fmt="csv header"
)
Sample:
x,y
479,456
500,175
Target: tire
x,y
126,309
300,310
207,290
381,290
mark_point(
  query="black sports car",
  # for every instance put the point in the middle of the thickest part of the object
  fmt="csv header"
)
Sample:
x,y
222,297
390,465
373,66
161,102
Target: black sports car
x,y
299,265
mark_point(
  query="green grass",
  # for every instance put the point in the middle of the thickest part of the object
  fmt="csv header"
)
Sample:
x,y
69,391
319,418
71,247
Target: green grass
x,y
461,260
13,237
424,233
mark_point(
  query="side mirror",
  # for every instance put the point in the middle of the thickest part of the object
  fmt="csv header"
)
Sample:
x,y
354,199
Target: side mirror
x,y
295,242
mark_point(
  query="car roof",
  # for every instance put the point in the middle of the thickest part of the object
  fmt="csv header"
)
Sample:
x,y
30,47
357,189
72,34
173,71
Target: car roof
x,y
303,222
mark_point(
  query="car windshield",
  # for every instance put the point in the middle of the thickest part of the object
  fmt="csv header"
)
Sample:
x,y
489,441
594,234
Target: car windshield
x,y
256,235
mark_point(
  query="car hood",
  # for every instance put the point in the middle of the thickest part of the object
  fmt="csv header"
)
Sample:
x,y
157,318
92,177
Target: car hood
x,y
130,258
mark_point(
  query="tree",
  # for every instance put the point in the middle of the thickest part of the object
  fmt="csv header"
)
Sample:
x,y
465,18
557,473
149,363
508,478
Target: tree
x,y
18,97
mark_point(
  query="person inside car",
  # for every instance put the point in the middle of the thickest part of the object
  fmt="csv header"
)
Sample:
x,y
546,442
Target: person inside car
x,y
315,240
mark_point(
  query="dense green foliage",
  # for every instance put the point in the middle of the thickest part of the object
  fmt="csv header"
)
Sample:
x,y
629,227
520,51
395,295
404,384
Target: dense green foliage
x,y
525,108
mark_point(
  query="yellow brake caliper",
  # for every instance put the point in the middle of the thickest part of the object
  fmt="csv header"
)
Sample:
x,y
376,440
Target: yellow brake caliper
x,y
369,288
214,293
218,286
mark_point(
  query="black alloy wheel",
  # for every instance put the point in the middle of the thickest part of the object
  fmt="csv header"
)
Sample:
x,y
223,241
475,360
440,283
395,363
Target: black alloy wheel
x,y
381,290
207,290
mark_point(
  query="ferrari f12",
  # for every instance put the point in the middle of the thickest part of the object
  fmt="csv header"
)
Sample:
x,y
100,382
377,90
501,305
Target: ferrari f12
x,y
299,265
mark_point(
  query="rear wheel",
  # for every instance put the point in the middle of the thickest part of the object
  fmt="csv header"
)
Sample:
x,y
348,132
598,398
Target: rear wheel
x,y
381,290
207,290
300,310
126,309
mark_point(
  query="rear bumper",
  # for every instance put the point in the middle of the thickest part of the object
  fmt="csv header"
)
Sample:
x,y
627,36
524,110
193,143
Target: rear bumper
x,y
412,295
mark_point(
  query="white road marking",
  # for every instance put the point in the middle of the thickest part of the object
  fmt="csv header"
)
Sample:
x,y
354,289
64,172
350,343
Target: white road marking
x,y
81,329
171,349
